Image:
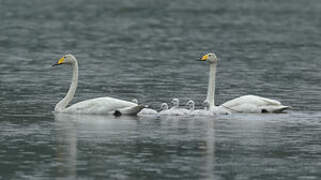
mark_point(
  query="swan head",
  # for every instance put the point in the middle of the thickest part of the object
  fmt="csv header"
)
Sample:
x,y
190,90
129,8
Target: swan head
x,y
164,106
190,105
175,102
209,57
135,101
66,59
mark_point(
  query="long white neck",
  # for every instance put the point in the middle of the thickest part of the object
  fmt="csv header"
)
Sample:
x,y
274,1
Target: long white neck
x,y
211,86
61,105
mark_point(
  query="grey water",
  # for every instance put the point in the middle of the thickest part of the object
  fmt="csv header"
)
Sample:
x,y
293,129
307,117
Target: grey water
x,y
147,50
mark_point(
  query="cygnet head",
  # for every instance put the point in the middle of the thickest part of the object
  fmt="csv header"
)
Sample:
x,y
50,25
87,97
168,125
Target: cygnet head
x,y
164,106
135,101
66,59
190,105
206,104
210,57
175,102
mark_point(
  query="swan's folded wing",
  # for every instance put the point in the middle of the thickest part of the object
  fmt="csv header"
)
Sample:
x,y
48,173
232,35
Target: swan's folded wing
x,y
251,99
270,101
102,105
234,102
254,104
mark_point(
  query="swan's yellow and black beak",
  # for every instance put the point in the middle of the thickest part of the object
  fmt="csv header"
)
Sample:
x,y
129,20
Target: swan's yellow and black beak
x,y
204,58
60,61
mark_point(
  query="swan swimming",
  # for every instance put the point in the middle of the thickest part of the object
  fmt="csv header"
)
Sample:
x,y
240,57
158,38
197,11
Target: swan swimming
x,y
102,105
198,112
206,105
190,106
176,110
243,104
146,111
164,109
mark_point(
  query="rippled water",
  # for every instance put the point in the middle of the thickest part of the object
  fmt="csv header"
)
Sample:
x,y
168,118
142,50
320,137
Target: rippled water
x,y
146,50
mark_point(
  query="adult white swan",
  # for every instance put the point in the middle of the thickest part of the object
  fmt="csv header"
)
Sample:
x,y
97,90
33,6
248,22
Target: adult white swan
x,y
243,104
102,105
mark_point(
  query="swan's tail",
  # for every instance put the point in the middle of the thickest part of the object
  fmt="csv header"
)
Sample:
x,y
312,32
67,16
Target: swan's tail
x,y
282,108
274,109
134,110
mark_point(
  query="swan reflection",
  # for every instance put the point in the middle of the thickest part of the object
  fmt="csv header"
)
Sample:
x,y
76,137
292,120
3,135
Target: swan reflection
x,y
113,146
71,130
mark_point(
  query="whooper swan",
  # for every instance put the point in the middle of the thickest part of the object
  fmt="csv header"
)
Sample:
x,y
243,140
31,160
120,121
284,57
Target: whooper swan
x,y
102,105
243,104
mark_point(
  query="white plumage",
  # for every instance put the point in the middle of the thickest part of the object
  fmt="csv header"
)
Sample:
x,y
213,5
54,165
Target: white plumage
x,y
243,104
254,104
176,110
102,105
164,109
146,111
